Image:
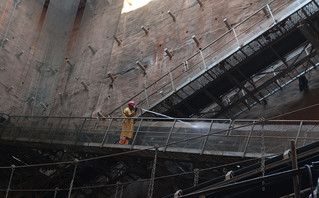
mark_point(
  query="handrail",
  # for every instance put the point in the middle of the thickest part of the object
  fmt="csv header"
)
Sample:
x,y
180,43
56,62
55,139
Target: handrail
x,y
195,54
196,135
156,119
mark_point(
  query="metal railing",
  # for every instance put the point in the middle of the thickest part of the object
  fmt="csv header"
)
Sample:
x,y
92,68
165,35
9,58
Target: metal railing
x,y
209,57
199,136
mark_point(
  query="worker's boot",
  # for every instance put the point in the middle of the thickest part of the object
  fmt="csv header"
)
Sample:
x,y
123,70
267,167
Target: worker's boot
x,y
126,141
123,140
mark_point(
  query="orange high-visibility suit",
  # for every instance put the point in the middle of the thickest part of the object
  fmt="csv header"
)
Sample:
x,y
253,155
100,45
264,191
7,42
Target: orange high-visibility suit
x,y
127,126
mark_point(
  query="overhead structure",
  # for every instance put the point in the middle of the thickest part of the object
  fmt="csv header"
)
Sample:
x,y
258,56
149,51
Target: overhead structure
x,y
277,181
241,68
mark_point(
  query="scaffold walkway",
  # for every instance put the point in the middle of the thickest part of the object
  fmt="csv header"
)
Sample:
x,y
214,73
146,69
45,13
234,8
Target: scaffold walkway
x,y
241,68
177,138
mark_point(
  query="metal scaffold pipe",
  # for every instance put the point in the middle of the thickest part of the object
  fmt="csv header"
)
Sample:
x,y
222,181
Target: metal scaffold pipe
x,y
172,15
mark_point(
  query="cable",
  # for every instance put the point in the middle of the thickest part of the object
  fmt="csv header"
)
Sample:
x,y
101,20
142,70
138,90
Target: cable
x,y
229,31
151,148
141,180
297,110
310,179
112,155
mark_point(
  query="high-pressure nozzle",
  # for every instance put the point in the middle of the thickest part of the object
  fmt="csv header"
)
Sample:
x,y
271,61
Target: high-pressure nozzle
x,y
136,108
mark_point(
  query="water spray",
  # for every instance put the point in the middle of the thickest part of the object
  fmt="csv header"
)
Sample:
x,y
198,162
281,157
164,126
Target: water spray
x,y
166,116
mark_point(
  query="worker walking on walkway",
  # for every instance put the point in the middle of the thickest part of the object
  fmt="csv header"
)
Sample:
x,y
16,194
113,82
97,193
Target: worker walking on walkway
x,y
128,123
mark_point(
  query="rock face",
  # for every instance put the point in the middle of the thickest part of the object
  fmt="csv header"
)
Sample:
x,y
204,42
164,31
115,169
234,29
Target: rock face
x,y
79,58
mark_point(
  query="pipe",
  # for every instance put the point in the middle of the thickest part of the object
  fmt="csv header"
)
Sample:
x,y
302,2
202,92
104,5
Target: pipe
x,y
20,53
117,40
265,12
227,24
92,49
171,14
141,66
310,179
43,105
85,85
9,88
145,30
200,3
196,40
68,61
168,53
100,115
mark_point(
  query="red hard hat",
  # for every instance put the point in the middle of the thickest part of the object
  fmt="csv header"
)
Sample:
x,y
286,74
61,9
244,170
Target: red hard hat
x,y
131,103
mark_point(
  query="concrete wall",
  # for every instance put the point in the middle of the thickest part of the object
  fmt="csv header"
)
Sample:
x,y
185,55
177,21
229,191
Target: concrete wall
x,y
86,88
19,26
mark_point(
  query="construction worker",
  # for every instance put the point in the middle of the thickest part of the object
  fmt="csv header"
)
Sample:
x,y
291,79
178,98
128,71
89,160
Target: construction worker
x,y
128,124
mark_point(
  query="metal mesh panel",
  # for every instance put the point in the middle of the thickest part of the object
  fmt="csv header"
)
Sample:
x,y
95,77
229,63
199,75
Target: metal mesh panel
x,y
230,138
114,132
151,133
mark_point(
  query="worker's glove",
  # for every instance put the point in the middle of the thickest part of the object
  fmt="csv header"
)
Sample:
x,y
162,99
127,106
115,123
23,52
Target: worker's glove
x,y
136,108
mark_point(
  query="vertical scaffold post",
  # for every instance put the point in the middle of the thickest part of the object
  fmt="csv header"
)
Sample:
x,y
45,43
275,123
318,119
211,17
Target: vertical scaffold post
x,y
278,83
230,128
263,151
106,132
151,185
10,180
57,129
121,192
295,166
299,130
170,134
248,139
117,189
76,161
207,136
79,133
236,37
137,130
33,129
272,16
171,77
55,192
203,59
